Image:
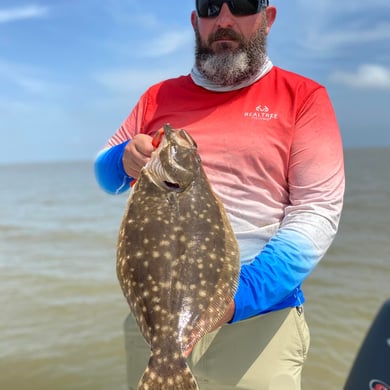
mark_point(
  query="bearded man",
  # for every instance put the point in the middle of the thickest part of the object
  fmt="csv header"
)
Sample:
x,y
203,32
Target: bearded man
x,y
271,148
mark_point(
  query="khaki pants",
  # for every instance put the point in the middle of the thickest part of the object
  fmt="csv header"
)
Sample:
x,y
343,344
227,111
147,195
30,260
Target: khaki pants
x,y
266,352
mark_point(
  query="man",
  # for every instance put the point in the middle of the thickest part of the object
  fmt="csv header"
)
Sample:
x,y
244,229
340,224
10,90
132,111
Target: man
x,y
271,147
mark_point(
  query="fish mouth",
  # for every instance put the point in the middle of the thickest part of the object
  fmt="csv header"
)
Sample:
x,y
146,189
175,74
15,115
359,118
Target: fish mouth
x,y
171,185
160,177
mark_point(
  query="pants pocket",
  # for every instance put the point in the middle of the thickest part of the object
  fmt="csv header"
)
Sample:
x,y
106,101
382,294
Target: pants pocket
x,y
303,331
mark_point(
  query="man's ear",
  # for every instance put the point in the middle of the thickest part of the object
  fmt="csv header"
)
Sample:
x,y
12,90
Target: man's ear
x,y
270,13
194,20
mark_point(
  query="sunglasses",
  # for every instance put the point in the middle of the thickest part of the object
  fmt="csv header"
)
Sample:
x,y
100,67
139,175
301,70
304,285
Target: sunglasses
x,y
212,8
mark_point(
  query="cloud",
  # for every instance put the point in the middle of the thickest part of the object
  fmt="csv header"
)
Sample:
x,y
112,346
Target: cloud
x,y
327,31
168,43
369,76
8,15
169,46
25,77
30,81
323,40
133,80
358,36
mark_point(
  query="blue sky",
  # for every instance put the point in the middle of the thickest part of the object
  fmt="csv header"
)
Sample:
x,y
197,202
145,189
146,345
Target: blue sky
x,y
71,70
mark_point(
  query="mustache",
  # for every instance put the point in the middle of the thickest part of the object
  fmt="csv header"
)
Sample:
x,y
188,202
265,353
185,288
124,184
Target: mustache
x,y
224,33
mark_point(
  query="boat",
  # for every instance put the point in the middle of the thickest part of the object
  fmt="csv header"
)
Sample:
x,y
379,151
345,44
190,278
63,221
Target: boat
x,y
371,368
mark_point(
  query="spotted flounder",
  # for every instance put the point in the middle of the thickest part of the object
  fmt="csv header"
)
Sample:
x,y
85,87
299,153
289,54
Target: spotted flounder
x,y
177,259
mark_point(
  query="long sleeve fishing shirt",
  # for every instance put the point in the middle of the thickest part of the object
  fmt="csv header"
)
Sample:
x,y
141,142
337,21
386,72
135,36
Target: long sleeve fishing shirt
x,y
273,154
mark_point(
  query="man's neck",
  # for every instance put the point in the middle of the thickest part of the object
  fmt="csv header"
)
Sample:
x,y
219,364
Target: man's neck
x,y
202,81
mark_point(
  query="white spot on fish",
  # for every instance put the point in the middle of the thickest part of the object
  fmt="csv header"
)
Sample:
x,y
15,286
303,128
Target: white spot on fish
x,y
168,255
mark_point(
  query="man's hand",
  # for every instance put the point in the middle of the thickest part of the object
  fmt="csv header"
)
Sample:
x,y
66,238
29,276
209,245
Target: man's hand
x,y
226,318
137,153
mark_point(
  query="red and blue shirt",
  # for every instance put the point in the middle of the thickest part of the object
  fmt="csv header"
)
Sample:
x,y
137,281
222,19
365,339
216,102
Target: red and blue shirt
x,y
273,154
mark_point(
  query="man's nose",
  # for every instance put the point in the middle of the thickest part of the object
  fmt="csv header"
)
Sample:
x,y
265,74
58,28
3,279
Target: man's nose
x,y
225,17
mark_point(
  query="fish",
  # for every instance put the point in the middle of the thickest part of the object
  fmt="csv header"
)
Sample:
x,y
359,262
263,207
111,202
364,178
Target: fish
x,y
177,258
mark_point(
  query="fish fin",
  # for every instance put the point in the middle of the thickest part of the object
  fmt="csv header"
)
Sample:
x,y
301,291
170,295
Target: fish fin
x,y
174,376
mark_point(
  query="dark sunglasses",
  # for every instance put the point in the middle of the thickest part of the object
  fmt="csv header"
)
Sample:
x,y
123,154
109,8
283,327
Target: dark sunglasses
x,y
212,8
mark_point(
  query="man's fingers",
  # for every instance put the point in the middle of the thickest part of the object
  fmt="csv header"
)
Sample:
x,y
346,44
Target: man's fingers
x,y
137,154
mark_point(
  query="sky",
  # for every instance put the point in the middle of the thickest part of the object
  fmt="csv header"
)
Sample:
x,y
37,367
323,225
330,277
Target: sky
x,y
72,70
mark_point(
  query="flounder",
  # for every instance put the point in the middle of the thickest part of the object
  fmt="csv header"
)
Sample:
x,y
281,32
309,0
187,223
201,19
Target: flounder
x,y
177,258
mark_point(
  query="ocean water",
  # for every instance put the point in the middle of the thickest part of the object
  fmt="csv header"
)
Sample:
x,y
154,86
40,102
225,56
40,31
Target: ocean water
x,y
62,311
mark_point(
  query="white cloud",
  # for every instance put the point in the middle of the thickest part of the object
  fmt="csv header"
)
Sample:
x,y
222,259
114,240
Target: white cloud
x,y
328,29
29,81
8,15
358,36
168,43
366,76
161,44
22,76
133,80
324,42
169,46
335,7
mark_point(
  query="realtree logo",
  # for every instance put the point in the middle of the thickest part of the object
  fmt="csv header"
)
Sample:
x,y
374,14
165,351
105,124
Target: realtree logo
x,y
262,113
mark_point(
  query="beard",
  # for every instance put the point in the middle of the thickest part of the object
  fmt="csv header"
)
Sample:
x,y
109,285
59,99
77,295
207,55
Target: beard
x,y
226,66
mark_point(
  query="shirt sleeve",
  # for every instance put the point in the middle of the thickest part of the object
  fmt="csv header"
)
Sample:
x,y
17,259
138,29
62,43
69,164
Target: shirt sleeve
x,y
109,171
316,188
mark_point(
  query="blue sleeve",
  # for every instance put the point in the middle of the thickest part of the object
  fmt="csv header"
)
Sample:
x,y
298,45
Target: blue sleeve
x,y
272,280
109,170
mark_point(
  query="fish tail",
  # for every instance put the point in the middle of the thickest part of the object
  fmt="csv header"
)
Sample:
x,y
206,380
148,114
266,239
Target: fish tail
x,y
169,375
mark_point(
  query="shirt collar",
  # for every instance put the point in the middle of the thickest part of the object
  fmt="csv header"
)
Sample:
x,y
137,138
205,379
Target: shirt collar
x,y
202,81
